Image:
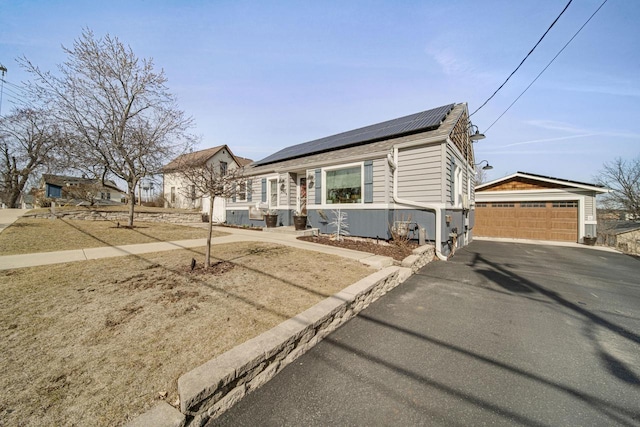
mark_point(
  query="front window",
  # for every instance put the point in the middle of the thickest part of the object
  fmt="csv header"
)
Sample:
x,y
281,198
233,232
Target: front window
x,y
344,185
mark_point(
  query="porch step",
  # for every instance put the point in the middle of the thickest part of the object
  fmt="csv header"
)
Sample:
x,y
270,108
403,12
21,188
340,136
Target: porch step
x,y
291,230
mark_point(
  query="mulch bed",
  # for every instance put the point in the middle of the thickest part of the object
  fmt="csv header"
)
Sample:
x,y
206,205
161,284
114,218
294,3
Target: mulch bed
x,y
397,252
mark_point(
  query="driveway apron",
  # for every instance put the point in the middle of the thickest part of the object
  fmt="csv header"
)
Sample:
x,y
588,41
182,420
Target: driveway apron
x,y
503,334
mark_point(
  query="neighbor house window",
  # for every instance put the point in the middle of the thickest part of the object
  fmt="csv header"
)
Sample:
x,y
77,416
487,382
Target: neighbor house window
x,y
344,185
173,194
192,190
105,196
223,168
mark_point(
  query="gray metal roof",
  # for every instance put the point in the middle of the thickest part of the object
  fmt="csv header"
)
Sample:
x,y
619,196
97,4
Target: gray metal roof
x,y
419,122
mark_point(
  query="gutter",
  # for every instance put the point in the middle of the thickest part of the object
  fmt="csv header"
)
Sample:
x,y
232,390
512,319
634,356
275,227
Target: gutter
x,y
393,163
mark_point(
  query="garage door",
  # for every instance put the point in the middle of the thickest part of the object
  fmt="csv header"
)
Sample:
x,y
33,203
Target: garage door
x,y
528,220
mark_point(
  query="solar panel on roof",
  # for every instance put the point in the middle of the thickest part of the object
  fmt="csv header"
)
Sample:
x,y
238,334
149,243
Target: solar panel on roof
x,y
424,120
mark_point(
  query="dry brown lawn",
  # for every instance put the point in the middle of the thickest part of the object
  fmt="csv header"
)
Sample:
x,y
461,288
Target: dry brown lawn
x,y
30,235
97,342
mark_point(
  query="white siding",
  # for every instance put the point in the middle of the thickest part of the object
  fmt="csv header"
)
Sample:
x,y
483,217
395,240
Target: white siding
x,y
589,208
380,181
419,173
283,196
293,190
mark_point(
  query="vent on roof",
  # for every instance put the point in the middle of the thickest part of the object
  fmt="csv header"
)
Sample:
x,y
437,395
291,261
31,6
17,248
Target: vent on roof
x,y
425,120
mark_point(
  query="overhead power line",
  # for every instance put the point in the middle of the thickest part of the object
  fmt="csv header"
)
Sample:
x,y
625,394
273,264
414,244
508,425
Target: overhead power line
x,y
545,68
524,59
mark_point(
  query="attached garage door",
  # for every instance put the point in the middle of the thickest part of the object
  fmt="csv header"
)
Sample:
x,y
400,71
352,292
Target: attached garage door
x,y
528,220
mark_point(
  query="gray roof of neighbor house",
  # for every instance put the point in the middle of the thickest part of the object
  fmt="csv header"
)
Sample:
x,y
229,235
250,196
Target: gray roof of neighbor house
x,y
199,158
62,180
418,122
620,227
438,122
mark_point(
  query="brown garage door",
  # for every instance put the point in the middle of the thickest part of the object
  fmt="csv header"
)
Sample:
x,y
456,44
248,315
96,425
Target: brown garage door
x,y
528,220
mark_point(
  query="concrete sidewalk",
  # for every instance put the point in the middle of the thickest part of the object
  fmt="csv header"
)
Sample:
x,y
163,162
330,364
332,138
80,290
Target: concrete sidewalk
x,y
234,235
9,216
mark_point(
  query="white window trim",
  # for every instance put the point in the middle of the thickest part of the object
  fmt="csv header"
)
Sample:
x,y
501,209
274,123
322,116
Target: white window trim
x,y
269,179
457,185
338,167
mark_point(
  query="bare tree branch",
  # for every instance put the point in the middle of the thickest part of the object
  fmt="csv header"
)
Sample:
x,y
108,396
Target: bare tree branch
x,y
116,109
29,142
623,177
208,180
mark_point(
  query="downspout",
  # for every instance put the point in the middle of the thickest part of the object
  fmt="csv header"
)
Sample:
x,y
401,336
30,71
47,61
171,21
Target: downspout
x,y
393,163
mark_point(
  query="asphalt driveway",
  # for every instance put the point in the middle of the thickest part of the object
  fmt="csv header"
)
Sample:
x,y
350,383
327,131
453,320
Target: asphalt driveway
x,y
503,334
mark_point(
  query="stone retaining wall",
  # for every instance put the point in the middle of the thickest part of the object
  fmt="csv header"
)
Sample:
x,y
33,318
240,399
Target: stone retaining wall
x,y
123,217
212,388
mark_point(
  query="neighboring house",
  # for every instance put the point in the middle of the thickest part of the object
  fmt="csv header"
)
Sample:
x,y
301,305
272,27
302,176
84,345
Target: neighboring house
x,y
530,206
75,190
179,193
622,235
413,172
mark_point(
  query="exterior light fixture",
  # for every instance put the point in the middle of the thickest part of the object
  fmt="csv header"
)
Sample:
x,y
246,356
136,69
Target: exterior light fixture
x,y
475,136
486,167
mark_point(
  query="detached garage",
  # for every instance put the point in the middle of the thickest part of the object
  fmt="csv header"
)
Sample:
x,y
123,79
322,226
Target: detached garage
x,y
529,206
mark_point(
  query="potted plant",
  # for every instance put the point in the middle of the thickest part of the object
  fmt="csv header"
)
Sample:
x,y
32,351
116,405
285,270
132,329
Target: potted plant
x,y
271,218
299,220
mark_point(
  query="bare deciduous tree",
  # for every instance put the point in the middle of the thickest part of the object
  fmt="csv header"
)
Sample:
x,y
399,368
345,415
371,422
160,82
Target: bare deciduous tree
x,y
481,176
116,110
623,177
29,142
208,180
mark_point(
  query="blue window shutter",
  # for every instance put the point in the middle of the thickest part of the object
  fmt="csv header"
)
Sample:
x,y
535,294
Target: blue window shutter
x,y
264,190
233,192
318,186
368,181
249,188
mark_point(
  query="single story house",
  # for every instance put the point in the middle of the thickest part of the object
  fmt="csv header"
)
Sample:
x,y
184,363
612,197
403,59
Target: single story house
x,y
529,206
80,190
178,192
412,173
622,235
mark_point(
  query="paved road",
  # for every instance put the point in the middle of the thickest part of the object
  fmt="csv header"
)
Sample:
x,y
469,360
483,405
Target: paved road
x,y
504,334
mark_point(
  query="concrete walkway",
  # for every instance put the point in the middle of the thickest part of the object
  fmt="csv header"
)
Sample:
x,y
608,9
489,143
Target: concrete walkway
x,y
9,216
234,235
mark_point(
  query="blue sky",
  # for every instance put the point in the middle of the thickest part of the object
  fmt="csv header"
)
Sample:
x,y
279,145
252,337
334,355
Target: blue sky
x,y
260,76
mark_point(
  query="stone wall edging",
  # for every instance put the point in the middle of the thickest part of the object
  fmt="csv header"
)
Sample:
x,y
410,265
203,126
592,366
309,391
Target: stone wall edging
x,y
123,217
215,386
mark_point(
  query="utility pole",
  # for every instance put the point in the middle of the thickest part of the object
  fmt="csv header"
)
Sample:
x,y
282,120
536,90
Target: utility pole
x,y
3,69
